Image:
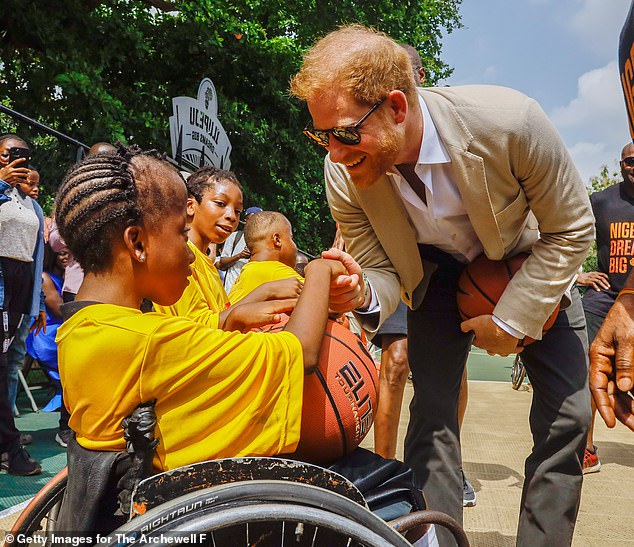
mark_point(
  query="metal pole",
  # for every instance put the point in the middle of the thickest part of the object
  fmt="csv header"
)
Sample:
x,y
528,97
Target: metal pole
x,y
43,127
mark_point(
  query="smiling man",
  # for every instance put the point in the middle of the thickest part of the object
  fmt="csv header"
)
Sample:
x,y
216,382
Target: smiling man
x,y
421,182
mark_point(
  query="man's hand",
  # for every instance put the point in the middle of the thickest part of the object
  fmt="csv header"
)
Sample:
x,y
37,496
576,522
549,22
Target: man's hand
x,y
612,364
488,336
596,280
12,174
347,290
244,317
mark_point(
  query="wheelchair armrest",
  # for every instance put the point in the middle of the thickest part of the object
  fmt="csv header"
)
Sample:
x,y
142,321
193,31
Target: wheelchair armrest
x,y
392,492
138,431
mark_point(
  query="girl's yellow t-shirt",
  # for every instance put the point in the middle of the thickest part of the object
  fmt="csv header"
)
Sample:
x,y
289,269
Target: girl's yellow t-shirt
x,y
219,394
204,298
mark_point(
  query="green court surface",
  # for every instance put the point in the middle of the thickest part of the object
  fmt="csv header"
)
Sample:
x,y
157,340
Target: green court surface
x,y
490,368
43,427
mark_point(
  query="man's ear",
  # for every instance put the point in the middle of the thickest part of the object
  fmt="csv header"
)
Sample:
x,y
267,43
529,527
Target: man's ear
x,y
191,209
397,101
277,240
421,75
134,239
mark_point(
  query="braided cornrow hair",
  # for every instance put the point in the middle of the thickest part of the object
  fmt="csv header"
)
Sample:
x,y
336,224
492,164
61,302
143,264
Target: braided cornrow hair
x,y
99,197
205,178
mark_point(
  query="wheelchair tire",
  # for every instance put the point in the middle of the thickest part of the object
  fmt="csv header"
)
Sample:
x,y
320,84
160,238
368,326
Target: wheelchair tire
x,y
269,525
274,503
40,514
517,372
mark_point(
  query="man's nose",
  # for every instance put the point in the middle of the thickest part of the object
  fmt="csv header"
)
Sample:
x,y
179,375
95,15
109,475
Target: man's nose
x,y
338,150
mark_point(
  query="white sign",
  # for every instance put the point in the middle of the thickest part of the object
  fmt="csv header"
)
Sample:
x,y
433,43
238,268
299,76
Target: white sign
x,y
197,136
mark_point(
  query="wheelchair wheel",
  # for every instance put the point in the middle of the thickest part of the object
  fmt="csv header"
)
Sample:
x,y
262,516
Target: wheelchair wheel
x,y
264,513
39,517
517,372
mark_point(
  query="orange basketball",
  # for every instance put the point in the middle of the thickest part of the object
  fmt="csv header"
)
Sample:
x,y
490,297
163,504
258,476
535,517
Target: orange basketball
x,y
482,283
339,397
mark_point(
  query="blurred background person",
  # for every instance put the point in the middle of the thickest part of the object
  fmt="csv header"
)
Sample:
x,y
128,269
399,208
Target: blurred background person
x,y
21,259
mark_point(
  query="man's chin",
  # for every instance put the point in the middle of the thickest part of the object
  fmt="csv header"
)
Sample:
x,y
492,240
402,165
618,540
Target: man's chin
x,y
362,178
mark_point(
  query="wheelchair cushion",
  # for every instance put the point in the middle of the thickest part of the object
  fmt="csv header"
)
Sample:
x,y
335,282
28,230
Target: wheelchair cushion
x,y
389,486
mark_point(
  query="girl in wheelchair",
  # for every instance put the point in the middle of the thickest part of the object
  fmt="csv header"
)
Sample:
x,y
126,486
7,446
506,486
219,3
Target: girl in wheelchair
x,y
219,393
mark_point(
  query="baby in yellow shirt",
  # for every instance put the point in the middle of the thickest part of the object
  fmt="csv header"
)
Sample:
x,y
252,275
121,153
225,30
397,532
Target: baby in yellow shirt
x,y
269,237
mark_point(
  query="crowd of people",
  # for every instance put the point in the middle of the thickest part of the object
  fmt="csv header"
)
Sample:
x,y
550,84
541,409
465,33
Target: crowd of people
x,y
421,181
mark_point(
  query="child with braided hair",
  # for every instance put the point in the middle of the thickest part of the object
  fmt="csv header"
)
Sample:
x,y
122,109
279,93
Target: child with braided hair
x,y
219,394
214,205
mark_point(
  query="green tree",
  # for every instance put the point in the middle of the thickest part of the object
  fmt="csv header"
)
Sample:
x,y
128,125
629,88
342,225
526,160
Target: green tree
x,y
106,71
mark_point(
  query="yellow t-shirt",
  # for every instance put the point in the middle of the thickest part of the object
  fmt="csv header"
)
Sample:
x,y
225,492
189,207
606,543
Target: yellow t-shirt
x,y
219,394
204,298
255,273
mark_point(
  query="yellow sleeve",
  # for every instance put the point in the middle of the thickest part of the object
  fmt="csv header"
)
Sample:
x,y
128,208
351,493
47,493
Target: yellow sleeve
x,y
241,288
193,306
223,394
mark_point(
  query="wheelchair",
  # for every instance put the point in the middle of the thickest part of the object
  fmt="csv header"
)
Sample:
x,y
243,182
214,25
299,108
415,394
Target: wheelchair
x,y
239,501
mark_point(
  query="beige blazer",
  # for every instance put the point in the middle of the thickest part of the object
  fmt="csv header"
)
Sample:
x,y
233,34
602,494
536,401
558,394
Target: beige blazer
x,y
519,187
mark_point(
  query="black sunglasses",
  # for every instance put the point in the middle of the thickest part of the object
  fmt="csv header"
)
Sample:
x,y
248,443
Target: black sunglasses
x,y
348,134
628,161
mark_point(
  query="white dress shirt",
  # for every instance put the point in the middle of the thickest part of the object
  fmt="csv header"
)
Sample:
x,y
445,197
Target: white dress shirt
x,y
443,221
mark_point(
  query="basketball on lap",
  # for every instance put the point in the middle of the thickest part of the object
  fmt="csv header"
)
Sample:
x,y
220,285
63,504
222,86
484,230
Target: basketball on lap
x,y
340,396
482,283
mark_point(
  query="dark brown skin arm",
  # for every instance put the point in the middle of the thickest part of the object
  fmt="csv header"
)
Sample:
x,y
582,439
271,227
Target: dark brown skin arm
x,y
53,299
308,321
275,290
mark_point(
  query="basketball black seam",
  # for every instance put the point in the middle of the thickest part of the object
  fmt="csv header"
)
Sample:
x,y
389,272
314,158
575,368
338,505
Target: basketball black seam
x,y
479,288
356,355
342,430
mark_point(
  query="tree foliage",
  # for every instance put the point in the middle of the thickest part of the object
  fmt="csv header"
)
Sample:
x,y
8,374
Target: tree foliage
x,y
107,70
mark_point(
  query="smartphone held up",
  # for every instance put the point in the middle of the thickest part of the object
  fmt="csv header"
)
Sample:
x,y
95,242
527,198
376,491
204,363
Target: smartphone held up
x,y
17,152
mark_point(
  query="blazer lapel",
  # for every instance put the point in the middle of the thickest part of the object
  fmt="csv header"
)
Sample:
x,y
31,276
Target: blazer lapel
x,y
470,175
391,223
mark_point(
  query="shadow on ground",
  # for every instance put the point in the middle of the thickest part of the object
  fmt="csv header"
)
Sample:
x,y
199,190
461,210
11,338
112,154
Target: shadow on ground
x,y
491,472
619,453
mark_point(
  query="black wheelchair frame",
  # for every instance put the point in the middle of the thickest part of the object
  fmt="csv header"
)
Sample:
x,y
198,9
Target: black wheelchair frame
x,y
242,501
